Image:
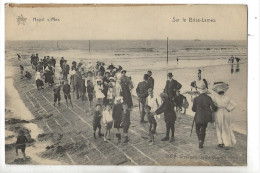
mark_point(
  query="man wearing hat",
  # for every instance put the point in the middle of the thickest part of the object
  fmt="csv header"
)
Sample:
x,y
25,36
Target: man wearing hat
x,y
171,86
111,70
150,80
202,105
142,93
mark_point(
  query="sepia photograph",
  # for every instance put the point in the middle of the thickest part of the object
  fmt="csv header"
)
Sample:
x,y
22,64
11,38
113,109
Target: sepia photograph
x,y
132,85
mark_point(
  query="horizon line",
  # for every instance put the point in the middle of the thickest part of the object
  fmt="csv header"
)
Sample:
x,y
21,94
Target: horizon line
x,y
133,39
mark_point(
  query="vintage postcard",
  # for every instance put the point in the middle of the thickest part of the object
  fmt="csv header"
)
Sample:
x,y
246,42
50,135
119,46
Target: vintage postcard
x,y
161,85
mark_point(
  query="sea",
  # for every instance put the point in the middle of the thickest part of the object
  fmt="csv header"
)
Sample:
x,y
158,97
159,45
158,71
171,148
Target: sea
x,y
135,55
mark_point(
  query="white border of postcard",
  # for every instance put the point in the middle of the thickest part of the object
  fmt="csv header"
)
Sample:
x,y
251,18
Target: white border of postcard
x,y
253,95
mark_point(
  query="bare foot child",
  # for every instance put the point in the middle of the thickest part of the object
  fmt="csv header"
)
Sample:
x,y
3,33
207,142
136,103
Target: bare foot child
x,y
66,91
96,121
21,143
56,94
108,120
152,123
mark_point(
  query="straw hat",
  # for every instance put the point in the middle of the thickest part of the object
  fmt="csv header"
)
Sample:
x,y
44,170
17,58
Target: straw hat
x,y
119,98
220,86
112,78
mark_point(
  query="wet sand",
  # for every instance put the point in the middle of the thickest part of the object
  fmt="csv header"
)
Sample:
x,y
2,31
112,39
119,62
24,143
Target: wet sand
x,y
18,117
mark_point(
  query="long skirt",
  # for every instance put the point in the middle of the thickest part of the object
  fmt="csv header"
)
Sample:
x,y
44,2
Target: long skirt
x,y
223,128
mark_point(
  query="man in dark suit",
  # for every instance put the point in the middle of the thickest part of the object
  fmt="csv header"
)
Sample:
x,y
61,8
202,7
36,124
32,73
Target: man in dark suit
x,y
171,86
203,106
150,80
142,93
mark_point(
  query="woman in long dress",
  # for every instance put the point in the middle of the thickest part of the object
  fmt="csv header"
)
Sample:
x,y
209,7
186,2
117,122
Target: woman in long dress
x,y
225,135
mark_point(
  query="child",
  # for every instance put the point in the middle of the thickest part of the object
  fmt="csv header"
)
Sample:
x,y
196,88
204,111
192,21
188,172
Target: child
x,y
83,89
152,123
108,120
125,121
39,82
21,143
28,75
178,101
21,69
96,121
56,94
111,91
98,90
117,116
66,91
90,91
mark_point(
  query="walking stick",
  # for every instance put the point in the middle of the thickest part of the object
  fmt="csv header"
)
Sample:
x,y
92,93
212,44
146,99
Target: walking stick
x,y
192,126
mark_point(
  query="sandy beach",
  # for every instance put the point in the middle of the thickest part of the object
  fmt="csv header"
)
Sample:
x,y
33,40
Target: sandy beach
x,y
59,134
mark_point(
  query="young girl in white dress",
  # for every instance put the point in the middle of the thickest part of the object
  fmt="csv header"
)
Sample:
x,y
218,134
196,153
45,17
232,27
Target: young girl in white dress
x,y
98,91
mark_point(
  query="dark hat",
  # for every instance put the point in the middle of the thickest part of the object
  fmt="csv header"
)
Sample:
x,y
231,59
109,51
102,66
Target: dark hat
x,y
111,67
123,71
107,72
169,74
120,68
146,76
149,71
199,71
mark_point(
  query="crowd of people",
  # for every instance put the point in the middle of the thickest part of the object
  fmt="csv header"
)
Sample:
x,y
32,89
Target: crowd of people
x,y
109,89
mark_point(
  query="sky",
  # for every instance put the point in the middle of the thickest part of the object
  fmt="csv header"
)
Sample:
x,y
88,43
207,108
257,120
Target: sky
x,y
127,23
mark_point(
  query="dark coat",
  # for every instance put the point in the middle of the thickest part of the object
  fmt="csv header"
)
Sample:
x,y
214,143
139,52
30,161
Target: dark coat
x,y
117,115
203,106
127,97
77,79
126,118
151,82
105,79
168,110
171,87
142,91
